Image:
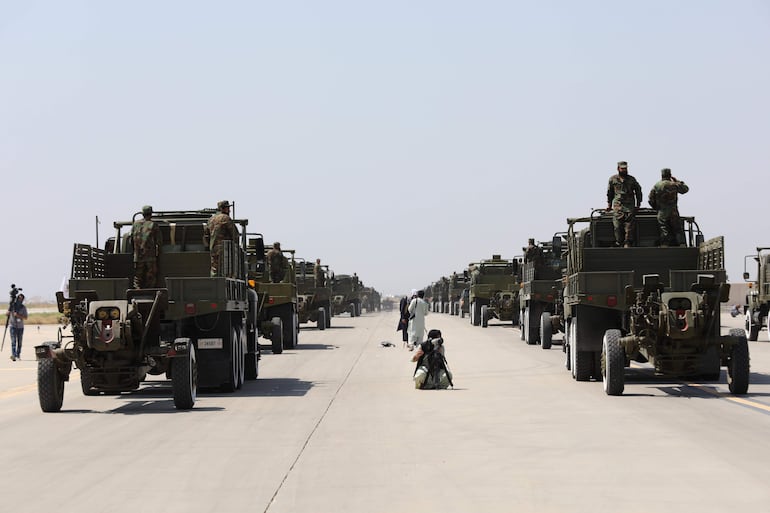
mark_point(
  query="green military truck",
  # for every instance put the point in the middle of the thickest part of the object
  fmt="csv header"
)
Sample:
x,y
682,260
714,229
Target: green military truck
x,y
197,329
647,304
277,303
758,298
371,299
541,282
494,291
345,298
314,302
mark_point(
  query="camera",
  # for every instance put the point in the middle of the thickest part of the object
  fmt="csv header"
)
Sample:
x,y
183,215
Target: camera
x,y
14,292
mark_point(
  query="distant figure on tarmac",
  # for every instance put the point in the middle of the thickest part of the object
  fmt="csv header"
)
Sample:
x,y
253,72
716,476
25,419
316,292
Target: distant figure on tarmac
x,y
147,241
17,314
220,227
403,320
318,274
624,196
277,263
418,309
664,197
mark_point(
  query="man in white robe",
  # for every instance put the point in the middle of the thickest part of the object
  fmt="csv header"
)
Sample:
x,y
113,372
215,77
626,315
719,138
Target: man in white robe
x,y
418,309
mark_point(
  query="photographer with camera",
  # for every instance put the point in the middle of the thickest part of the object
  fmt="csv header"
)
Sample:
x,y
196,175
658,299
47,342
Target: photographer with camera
x,y
17,314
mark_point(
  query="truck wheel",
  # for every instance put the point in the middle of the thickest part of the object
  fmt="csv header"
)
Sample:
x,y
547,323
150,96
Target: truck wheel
x,y
321,319
525,329
533,326
710,364
751,327
581,361
184,379
87,383
276,335
738,368
476,313
613,363
290,324
241,358
251,367
546,330
565,347
50,385
231,379
328,316
521,324
484,316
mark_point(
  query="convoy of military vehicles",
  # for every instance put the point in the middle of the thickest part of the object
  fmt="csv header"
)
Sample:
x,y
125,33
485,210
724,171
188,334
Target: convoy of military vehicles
x,y
201,327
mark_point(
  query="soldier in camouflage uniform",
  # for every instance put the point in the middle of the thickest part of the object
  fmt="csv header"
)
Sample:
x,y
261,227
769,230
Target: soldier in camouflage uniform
x,y
147,240
220,227
624,196
318,274
664,197
277,263
533,253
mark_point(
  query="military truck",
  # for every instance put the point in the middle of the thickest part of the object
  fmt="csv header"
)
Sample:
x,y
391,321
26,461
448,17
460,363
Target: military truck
x,y
345,297
277,315
197,329
541,282
370,299
494,291
647,304
758,298
314,303
457,283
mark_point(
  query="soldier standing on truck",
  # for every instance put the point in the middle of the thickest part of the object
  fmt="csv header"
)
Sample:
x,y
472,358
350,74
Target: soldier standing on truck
x,y
220,227
664,197
533,253
318,274
277,262
146,238
624,196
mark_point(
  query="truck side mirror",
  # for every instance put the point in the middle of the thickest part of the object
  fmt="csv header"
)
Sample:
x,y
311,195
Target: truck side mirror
x,y
746,276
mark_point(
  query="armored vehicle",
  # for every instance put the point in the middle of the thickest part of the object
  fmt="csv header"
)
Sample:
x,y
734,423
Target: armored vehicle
x,y
494,291
197,329
277,315
647,304
541,282
345,295
758,298
457,283
314,302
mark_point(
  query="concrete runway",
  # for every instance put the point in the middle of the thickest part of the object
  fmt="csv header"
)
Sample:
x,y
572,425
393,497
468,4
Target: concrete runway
x,y
336,426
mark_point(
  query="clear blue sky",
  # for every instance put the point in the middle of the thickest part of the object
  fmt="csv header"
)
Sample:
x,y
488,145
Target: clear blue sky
x,y
399,140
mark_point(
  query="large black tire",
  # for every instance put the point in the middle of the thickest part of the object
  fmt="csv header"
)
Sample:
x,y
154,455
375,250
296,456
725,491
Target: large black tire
x,y
521,324
581,361
321,323
87,383
613,363
328,308
484,316
566,347
476,313
50,385
711,364
546,330
241,357
530,328
276,335
738,368
290,327
184,378
251,366
752,328
230,384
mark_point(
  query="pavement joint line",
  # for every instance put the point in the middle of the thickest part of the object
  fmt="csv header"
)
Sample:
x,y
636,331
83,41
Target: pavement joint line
x,y
315,427
17,390
722,395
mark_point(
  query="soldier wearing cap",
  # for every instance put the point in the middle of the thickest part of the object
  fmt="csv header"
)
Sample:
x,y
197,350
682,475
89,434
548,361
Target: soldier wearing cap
x,y
533,253
624,196
220,227
664,197
147,241
318,274
277,263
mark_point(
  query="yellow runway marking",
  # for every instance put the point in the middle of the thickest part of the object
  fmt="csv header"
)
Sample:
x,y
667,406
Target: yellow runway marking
x,y
729,397
16,391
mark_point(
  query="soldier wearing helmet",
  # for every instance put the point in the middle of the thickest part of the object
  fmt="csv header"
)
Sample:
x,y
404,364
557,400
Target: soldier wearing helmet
x,y
147,241
219,228
277,263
